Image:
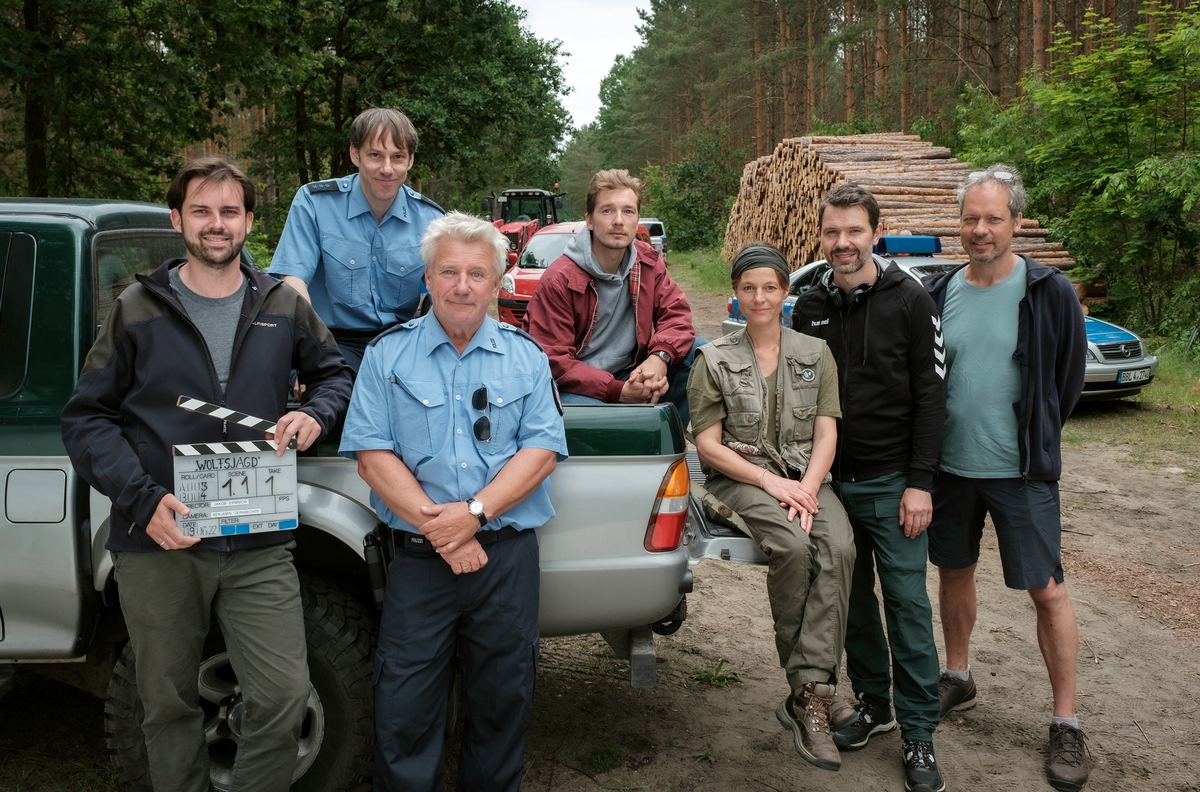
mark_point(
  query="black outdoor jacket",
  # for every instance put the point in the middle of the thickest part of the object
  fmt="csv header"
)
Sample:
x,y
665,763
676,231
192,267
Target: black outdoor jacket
x,y
122,419
887,342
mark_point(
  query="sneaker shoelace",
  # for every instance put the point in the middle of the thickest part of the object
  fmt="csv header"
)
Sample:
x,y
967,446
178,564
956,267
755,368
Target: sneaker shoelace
x,y
1069,746
919,754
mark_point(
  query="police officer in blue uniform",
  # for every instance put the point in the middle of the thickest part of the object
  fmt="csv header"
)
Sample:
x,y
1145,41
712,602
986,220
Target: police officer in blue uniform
x,y
455,425
352,245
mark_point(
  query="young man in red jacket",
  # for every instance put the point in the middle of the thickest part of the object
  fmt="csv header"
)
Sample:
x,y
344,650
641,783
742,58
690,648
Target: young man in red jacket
x,y
615,326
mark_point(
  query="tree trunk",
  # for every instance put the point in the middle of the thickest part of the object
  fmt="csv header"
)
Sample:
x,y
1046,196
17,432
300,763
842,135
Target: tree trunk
x,y
905,68
37,121
848,66
881,58
759,143
993,47
810,77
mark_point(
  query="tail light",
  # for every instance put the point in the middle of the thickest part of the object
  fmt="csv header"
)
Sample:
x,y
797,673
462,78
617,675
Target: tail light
x,y
665,531
729,307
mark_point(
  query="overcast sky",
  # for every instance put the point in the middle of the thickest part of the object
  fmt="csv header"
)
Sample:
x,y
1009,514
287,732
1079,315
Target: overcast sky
x,y
594,32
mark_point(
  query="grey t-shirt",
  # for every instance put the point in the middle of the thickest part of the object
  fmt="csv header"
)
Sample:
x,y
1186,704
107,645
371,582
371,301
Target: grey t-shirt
x,y
217,320
984,382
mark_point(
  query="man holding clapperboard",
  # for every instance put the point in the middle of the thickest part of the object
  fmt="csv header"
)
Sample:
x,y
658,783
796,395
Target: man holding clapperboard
x,y
216,330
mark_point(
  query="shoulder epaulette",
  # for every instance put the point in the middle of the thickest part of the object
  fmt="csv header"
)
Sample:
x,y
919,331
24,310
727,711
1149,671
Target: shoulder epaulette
x,y
328,186
424,199
410,324
520,332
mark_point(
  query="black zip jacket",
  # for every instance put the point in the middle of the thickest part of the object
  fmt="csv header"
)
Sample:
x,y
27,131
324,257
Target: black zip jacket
x,y
887,342
121,421
1052,355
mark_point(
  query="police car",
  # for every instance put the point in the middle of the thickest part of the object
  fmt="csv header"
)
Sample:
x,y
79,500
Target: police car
x,y
1117,361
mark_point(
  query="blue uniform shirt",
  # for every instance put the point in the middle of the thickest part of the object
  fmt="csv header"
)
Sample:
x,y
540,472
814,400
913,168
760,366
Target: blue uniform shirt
x,y
414,395
361,274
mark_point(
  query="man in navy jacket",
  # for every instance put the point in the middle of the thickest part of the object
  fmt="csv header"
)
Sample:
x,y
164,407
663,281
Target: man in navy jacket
x,y
1016,349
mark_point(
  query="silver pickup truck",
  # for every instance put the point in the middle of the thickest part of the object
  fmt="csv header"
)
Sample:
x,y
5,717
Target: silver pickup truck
x,y
615,560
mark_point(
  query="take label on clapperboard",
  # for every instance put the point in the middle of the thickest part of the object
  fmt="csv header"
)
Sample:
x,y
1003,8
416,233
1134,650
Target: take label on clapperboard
x,y
237,487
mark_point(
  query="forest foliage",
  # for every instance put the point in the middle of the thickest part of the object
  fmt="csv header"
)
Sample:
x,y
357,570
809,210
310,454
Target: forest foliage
x,y
1095,101
103,99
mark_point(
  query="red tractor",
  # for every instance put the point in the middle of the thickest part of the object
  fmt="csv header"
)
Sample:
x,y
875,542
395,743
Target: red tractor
x,y
519,213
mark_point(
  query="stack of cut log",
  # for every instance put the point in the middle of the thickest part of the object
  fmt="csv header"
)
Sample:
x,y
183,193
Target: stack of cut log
x,y
913,181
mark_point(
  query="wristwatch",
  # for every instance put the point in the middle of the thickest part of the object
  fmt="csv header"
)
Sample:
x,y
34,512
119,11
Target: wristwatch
x,y
664,356
476,508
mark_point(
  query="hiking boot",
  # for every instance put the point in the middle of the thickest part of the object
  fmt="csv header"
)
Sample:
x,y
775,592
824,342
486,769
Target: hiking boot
x,y
956,694
806,713
1067,767
870,716
921,773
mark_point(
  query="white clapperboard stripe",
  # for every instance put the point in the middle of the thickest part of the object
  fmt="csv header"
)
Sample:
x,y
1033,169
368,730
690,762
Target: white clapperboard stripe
x,y
233,416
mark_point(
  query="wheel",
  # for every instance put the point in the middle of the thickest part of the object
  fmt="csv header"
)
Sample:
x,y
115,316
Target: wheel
x,y
337,737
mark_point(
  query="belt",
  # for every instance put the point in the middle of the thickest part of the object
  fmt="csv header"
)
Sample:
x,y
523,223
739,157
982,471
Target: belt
x,y
417,545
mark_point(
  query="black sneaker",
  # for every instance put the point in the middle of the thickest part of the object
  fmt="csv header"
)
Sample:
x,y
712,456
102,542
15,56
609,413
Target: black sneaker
x,y
921,773
956,694
1067,765
872,715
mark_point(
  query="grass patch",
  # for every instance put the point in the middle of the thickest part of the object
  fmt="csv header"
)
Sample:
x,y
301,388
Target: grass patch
x,y
602,759
716,677
701,269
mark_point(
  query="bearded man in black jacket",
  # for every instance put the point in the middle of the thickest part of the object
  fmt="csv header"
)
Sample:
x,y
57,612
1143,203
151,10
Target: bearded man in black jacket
x,y
884,331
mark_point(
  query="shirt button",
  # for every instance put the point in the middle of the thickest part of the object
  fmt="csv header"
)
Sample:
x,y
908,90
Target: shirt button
x,y
499,400
462,465
425,402
457,397
458,431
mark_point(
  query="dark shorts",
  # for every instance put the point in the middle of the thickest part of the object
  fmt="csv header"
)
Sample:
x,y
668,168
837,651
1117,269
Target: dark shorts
x,y
1027,516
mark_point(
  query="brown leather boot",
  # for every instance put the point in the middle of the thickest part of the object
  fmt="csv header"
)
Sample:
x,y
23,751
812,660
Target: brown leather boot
x,y
806,713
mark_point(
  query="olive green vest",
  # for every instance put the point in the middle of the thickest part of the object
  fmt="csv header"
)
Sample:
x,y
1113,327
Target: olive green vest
x,y
732,365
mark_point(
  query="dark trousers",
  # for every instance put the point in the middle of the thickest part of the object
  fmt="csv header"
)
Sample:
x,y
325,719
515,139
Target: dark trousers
x,y
488,622
255,594
874,510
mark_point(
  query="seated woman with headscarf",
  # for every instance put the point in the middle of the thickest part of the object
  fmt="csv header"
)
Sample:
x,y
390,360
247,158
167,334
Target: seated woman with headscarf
x,y
764,409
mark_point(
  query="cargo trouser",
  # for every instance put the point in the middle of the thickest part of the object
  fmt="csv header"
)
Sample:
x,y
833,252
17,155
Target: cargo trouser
x,y
166,598
874,510
808,576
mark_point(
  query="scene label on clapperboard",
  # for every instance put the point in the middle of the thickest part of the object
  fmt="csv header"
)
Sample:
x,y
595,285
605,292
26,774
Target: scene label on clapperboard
x,y
235,487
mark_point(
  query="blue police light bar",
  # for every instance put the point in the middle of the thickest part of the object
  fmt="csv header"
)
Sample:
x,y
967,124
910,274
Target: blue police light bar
x,y
908,244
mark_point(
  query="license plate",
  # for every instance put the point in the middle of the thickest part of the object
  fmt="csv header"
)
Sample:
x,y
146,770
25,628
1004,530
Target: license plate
x,y
1137,375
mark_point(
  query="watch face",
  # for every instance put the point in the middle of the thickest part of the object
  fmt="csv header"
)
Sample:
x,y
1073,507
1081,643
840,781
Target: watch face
x,y
475,507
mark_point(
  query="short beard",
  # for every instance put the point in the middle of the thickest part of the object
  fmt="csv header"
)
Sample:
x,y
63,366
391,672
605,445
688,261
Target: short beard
x,y
201,255
859,262
982,260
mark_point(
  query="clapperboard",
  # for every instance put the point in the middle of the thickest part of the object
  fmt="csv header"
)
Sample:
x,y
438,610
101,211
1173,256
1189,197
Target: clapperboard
x,y
236,487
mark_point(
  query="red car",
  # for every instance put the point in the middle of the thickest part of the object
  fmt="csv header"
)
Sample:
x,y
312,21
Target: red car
x,y
521,279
